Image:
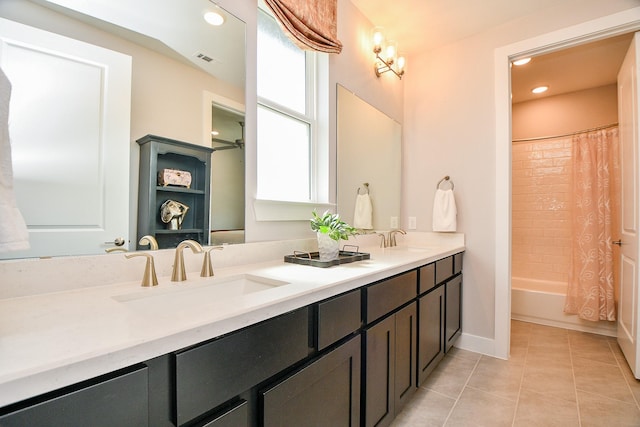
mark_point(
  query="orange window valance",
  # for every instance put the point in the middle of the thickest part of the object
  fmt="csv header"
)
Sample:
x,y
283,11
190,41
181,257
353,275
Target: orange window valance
x,y
311,24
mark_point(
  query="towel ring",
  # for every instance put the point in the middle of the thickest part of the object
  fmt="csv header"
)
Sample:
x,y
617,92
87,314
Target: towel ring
x,y
446,178
366,189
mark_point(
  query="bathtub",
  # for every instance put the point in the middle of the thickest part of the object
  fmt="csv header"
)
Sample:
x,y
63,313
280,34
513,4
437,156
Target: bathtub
x,y
542,302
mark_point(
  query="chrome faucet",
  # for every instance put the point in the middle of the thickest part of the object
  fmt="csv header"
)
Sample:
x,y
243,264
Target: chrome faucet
x,y
179,274
392,236
383,241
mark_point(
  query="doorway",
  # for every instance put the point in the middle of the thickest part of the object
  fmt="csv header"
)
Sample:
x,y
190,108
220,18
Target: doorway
x,y
581,97
587,32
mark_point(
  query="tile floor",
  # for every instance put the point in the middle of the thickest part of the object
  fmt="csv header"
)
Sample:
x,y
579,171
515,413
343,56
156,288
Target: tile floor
x,y
555,377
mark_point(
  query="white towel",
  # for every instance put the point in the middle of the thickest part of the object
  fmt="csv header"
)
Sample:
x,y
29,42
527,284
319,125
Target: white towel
x,y
13,230
362,217
444,211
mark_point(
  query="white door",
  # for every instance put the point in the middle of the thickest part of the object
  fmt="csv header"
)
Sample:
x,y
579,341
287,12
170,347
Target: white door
x,y
69,125
628,124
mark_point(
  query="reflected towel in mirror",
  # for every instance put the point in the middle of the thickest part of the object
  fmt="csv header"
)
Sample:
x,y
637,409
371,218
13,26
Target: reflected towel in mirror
x,y
363,213
13,230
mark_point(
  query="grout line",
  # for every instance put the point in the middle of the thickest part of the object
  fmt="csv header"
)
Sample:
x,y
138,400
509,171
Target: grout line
x,y
575,386
622,369
462,390
524,369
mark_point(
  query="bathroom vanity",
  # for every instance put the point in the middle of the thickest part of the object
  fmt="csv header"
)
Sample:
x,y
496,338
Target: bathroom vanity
x,y
345,345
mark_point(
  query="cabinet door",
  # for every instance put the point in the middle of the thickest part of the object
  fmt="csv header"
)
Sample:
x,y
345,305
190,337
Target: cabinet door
x,y
453,298
325,392
431,332
380,373
118,401
405,364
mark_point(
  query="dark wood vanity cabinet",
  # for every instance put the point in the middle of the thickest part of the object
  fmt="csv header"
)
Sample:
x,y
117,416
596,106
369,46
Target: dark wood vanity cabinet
x,y
158,153
350,360
117,399
390,348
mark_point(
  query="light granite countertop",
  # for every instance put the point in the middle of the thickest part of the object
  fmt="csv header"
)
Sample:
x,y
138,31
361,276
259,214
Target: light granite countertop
x,y
54,336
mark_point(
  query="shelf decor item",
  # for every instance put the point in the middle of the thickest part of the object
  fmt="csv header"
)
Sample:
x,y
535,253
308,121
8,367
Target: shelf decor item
x,y
330,229
175,177
172,213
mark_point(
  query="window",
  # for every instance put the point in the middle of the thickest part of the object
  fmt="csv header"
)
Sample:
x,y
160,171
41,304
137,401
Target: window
x,y
288,166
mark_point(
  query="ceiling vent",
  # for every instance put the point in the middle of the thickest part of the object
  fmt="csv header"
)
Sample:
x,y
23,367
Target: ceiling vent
x,y
205,58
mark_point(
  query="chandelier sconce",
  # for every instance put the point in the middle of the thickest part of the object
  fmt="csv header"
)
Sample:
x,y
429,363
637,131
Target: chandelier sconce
x,y
387,58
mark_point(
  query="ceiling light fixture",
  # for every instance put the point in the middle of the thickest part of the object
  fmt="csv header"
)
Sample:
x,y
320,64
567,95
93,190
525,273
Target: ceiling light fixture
x,y
522,61
540,89
387,58
214,18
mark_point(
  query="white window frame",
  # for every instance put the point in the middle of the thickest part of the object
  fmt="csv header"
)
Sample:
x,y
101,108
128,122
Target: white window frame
x,y
316,116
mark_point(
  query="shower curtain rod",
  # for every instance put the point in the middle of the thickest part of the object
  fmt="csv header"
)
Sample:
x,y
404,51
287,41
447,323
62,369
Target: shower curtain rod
x,y
565,135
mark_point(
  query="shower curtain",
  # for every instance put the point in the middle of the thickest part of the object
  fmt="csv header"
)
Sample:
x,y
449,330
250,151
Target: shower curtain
x,y
590,292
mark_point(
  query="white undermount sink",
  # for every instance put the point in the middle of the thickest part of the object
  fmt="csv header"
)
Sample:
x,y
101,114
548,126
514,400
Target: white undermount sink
x,y
198,290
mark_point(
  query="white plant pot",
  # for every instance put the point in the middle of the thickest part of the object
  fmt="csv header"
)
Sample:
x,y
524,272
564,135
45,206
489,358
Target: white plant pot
x,y
327,247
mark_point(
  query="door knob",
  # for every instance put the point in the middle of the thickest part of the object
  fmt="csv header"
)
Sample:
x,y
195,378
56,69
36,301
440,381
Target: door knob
x,y
118,241
617,242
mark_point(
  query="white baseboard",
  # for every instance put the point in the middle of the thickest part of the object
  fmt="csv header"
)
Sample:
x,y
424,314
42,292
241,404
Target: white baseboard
x,y
477,344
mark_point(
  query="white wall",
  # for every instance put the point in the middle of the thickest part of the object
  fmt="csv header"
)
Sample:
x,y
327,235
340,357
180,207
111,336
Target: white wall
x,y
450,130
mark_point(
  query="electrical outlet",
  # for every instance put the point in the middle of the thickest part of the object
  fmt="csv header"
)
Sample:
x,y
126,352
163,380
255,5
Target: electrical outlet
x,y
412,223
394,222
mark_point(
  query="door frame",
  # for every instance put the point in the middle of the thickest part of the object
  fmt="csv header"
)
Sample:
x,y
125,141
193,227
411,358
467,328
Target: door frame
x,y
597,29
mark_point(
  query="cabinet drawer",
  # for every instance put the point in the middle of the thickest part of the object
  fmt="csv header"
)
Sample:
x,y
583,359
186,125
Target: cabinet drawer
x,y
457,263
444,269
338,317
427,277
390,294
211,374
118,401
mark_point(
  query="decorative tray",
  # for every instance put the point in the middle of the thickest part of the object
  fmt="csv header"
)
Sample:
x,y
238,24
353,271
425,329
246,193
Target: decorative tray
x,y
313,258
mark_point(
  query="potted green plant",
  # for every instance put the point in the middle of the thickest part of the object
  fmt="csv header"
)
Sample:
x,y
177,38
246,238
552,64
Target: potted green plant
x,y
330,229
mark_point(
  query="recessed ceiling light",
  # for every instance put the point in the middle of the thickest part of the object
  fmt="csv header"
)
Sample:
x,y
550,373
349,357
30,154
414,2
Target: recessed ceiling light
x,y
522,61
215,133
540,89
214,18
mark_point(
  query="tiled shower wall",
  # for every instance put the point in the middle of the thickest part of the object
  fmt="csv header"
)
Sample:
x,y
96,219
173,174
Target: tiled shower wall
x,y
541,216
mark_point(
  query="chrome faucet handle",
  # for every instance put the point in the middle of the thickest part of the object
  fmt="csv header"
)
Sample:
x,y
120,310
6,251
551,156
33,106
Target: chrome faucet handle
x,y
149,277
383,241
392,236
207,267
149,240
179,274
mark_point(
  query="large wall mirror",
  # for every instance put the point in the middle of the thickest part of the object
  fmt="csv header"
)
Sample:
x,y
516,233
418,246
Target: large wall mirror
x,y
369,152
177,60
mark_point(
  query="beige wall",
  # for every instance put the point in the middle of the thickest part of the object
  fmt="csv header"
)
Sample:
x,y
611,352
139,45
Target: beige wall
x,y
567,113
449,129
